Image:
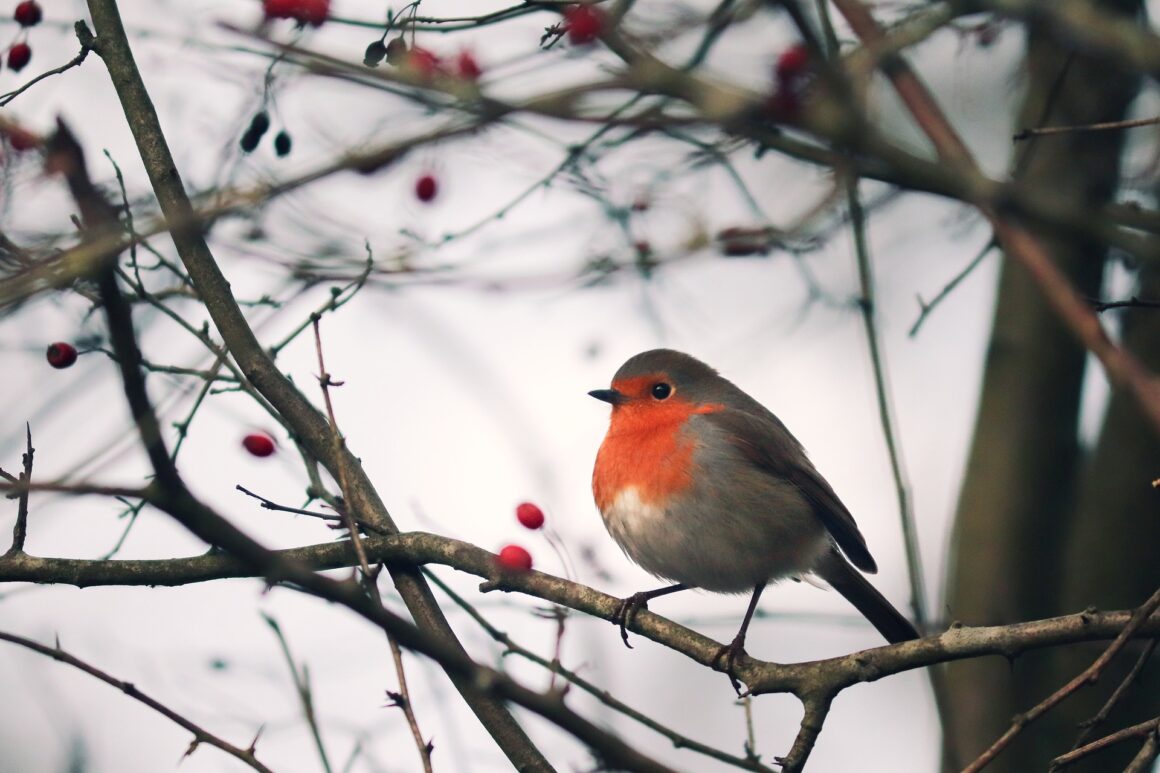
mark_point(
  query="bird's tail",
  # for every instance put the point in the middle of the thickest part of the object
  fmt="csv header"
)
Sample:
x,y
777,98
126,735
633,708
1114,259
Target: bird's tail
x,y
848,581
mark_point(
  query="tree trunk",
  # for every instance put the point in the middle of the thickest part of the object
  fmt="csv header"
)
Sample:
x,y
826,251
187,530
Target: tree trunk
x,y
1111,551
1008,559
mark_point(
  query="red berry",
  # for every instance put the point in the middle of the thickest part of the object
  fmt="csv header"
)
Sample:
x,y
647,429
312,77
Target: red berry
x,y
513,558
312,12
259,444
793,61
426,187
529,515
19,55
28,13
423,63
61,355
466,67
584,23
279,9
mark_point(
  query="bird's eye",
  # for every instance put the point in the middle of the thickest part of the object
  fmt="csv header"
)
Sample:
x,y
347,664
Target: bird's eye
x,y
661,390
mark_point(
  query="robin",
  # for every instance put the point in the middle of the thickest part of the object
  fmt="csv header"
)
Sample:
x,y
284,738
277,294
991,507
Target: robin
x,y
703,486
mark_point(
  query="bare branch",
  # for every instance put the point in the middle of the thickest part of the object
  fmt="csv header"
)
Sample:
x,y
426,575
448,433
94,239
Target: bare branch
x,y
200,734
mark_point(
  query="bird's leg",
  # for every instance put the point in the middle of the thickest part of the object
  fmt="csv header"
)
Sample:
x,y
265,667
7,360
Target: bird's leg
x,y
737,647
637,601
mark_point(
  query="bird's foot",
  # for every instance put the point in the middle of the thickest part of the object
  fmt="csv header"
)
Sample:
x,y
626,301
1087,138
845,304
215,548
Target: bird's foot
x,y
627,610
726,659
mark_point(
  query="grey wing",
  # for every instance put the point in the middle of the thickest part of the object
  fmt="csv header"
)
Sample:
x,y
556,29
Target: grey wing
x,y
769,445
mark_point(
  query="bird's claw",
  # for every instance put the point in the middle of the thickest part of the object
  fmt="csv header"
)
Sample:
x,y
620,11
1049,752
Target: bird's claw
x,y
729,654
626,611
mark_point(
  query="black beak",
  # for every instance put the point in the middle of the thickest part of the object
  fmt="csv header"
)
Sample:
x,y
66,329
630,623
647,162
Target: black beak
x,y
610,396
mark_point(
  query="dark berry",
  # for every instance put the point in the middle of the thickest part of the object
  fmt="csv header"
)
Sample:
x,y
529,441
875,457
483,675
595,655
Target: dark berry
x,y
282,144
61,355
28,13
375,53
19,56
250,141
397,51
426,187
259,123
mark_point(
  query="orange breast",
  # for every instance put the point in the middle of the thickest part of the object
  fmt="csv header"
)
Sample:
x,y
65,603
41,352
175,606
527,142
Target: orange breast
x,y
644,449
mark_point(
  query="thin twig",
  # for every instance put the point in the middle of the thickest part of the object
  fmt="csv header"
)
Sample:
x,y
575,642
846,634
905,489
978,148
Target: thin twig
x,y
1144,729
404,700
339,297
403,697
1090,725
1142,762
302,688
20,528
1089,127
925,308
200,734
1131,303
86,39
78,489
268,504
885,408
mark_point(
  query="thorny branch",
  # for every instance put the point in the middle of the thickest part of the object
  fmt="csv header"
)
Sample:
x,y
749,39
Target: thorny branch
x,y
23,482
200,734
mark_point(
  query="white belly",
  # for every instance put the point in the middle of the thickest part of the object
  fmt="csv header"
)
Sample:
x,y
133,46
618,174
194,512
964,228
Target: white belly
x,y
729,554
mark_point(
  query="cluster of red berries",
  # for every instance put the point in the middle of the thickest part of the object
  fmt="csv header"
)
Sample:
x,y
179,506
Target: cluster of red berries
x,y
421,62
513,558
28,14
312,12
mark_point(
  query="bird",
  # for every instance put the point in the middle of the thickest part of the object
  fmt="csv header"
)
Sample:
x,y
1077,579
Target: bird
x,y
702,486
